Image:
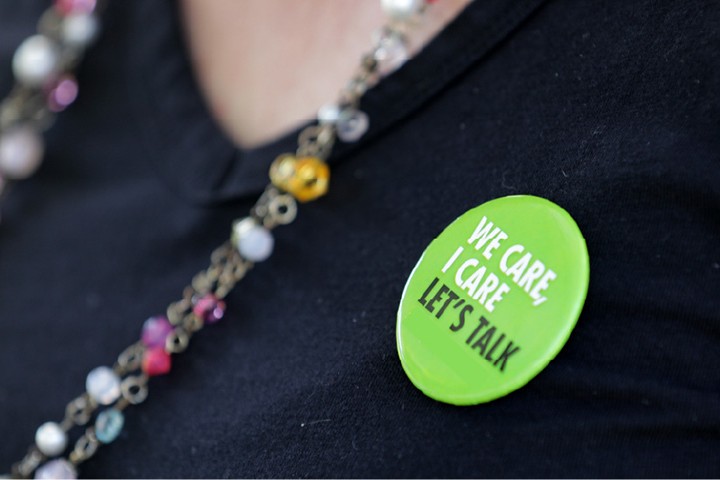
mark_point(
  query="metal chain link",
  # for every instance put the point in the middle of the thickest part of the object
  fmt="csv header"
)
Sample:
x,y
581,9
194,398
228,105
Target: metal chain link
x,y
80,410
274,208
316,141
85,447
134,389
227,267
25,467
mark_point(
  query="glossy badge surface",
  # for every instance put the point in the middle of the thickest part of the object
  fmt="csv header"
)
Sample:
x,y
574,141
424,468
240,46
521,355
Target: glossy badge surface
x,y
492,300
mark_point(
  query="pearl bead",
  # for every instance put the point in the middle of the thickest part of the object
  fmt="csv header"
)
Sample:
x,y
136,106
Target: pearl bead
x,y
390,51
56,469
402,9
108,425
103,385
21,152
253,241
51,439
352,125
80,29
36,61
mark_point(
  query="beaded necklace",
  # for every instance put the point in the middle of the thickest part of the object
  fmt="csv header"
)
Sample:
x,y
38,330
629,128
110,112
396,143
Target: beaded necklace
x,y
43,66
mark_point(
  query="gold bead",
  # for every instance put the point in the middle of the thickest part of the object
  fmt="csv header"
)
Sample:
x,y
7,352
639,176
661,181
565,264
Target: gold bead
x,y
305,178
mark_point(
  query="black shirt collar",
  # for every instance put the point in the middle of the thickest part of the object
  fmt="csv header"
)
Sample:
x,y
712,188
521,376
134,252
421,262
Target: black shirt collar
x,y
200,163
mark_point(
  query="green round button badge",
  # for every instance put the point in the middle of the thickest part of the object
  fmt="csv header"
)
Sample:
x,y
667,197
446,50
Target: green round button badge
x,y
492,300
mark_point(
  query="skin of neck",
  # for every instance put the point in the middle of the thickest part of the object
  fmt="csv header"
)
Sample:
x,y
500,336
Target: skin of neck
x,y
264,67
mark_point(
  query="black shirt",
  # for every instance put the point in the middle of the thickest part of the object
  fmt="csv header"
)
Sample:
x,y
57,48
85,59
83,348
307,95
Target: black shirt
x,y
610,111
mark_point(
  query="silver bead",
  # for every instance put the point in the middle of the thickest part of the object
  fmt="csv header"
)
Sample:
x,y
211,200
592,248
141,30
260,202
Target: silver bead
x,y
56,469
390,51
21,151
402,9
103,385
51,439
36,61
352,125
80,29
253,241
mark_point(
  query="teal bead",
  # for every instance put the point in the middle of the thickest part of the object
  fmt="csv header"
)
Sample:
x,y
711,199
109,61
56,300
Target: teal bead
x,y
108,425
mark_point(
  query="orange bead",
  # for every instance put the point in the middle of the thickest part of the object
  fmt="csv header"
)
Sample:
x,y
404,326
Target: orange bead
x,y
305,178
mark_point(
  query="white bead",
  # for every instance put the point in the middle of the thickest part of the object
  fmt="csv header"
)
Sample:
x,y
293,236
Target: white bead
x,y
329,113
80,29
21,152
36,61
56,469
51,439
402,9
253,241
390,51
352,125
103,385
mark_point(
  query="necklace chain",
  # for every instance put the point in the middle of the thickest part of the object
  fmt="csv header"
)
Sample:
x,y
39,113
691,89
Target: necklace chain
x,y
41,65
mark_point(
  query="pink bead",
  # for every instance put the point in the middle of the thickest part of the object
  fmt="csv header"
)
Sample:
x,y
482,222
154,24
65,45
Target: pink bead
x,y
209,308
156,361
155,331
62,93
66,7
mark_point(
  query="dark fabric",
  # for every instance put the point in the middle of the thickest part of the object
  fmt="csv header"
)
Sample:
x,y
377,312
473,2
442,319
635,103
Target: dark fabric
x,y
610,109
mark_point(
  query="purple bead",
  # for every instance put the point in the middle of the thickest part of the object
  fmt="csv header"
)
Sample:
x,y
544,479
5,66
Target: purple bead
x,y
62,93
155,331
209,308
56,469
